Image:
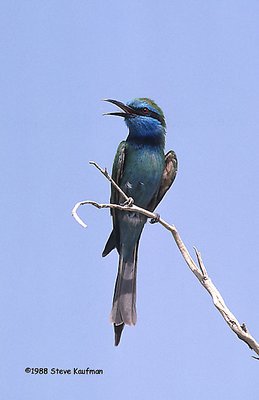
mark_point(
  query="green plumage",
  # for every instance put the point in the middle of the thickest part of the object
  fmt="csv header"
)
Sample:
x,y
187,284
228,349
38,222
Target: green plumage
x,y
145,173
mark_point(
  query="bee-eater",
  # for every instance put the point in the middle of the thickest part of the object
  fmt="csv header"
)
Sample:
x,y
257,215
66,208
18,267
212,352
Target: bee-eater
x,y
144,173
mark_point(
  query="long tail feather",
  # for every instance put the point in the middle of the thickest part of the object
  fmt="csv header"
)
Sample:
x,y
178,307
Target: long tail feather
x,y
124,299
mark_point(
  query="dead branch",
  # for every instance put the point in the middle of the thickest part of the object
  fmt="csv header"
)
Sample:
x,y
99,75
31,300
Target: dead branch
x,y
198,270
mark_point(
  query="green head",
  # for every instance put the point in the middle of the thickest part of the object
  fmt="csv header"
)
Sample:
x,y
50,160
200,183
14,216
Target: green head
x,y
141,106
144,118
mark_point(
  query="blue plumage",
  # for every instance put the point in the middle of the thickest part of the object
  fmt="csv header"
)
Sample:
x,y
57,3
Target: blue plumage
x,y
144,173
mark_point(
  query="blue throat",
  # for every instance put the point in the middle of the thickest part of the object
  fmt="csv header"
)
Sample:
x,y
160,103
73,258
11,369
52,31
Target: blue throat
x,y
145,130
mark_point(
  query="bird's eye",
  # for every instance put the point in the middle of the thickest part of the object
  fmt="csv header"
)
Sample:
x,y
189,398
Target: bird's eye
x,y
145,110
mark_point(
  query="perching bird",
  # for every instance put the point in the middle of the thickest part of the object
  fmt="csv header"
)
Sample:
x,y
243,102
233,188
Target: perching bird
x,y
145,173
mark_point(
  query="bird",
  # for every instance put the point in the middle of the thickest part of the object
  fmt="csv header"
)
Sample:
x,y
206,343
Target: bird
x,y
144,173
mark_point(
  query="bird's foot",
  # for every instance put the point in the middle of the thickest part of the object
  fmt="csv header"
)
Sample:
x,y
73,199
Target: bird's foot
x,y
129,202
155,220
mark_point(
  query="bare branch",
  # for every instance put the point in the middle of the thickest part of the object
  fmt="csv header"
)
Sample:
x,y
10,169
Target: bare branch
x,y
201,265
105,173
76,216
199,270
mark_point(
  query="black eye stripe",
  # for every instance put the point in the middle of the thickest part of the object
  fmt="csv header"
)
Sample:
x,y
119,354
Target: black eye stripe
x,y
156,116
150,113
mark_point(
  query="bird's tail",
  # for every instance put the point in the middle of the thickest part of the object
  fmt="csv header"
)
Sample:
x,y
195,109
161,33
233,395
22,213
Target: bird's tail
x,y
124,299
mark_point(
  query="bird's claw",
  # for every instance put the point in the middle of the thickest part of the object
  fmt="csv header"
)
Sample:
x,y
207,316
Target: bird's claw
x,y
129,202
155,220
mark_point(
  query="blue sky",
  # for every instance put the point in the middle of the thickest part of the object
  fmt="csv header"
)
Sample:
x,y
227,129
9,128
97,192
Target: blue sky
x,y
199,60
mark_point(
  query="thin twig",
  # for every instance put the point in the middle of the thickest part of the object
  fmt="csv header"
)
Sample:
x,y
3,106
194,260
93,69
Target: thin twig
x,y
107,176
201,265
199,270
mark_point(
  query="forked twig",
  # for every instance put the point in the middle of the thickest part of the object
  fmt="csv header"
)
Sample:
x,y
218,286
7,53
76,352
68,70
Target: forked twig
x,y
199,270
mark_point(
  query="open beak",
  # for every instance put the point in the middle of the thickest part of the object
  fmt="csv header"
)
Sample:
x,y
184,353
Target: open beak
x,y
128,111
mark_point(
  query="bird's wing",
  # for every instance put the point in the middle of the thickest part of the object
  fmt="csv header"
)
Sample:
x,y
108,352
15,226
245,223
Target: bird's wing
x,y
117,172
116,198
168,177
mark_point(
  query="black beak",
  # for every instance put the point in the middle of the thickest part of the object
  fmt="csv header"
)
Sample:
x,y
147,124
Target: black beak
x,y
128,111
